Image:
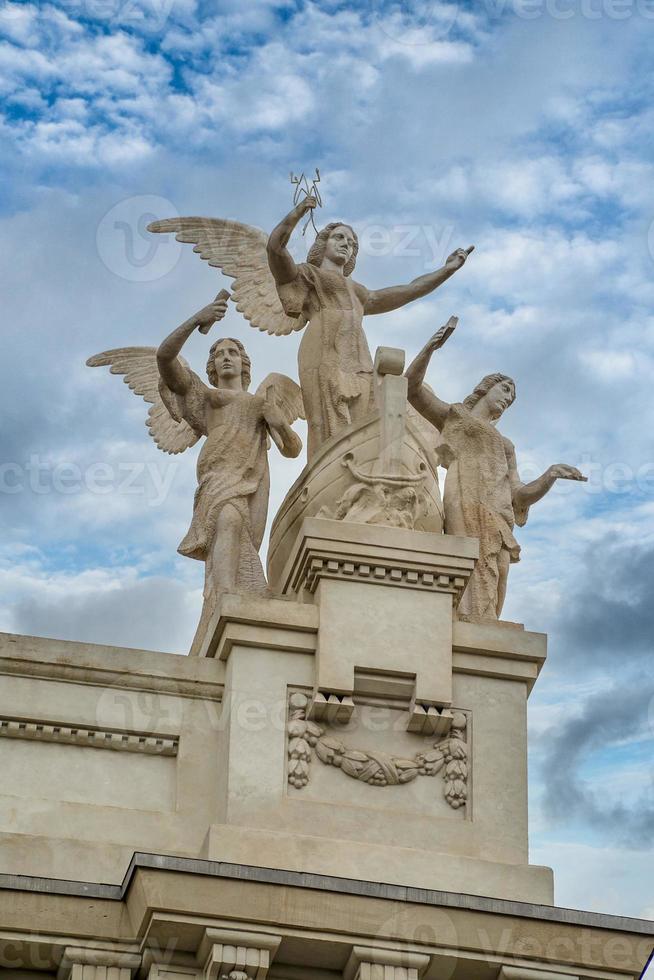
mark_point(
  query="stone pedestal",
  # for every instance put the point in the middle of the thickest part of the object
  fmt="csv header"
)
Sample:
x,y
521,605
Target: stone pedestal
x,y
366,730
386,598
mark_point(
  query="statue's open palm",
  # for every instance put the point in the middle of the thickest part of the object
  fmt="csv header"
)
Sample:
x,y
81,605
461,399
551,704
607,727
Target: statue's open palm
x,y
562,471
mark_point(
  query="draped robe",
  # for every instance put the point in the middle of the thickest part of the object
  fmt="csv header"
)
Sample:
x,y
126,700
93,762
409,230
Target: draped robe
x,y
232,469
482,478
334,362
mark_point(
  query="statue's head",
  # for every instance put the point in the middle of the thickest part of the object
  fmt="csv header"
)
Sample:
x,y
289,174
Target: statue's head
x,y
228,359
498,391
338,242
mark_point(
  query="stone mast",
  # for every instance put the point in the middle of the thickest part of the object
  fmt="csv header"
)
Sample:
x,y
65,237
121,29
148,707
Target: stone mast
x,y
333,785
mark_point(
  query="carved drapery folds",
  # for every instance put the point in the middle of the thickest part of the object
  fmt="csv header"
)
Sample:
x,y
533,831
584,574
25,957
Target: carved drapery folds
x,y
448,757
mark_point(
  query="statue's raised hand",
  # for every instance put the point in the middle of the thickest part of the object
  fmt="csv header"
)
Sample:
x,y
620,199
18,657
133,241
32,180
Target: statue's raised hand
x,y
561,471
213,312
458,257
307,204
441,336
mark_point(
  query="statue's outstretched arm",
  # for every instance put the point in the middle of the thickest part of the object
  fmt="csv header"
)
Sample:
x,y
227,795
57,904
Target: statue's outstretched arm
x,y
173,373
391,298
527,494
420,396
280,259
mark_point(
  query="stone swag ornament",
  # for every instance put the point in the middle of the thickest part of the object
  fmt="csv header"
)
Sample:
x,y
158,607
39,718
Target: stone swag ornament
x,y
447,756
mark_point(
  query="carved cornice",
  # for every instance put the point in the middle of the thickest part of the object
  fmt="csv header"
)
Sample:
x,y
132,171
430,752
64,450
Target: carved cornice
x,y
388,572
95,738
390,556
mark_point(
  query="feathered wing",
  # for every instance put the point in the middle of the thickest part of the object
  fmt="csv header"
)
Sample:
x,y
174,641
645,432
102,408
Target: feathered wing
x,y
138,365
284,394
239,251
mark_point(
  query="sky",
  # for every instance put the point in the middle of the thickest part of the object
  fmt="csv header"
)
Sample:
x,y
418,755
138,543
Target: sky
x,y
524,127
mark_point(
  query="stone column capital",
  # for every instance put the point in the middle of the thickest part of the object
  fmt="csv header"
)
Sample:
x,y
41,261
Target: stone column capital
x,y
236,954
91,963
373,963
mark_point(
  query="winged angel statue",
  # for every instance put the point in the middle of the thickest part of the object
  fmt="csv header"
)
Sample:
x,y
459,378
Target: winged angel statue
x,y
279,296
231,501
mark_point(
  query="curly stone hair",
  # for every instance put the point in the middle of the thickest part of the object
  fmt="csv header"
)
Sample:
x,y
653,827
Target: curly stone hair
x,y
485,386
317,250
246,363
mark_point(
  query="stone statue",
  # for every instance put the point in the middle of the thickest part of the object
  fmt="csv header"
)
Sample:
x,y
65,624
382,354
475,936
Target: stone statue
x,y
484,497
276,295
231,501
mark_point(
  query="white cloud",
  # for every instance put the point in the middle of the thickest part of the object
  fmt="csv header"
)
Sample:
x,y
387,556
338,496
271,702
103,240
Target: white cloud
x,y
614,365
18,22
99,605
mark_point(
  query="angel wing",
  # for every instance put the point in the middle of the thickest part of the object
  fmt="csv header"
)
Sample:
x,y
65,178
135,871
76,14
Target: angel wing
x,y
284,394
239,251
138,365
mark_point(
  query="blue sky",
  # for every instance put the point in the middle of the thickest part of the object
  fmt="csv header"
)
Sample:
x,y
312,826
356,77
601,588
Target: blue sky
x,y
524,127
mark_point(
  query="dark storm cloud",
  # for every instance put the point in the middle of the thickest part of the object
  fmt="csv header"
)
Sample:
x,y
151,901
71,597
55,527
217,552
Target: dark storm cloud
x,y
610,618
624,711
606,628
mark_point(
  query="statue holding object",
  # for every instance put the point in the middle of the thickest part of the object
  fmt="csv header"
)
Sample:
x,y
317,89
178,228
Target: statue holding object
x,y
484,497
279,296
231,501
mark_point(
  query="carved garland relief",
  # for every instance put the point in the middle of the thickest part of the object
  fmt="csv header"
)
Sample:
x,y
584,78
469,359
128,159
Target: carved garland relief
x,y
448,756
